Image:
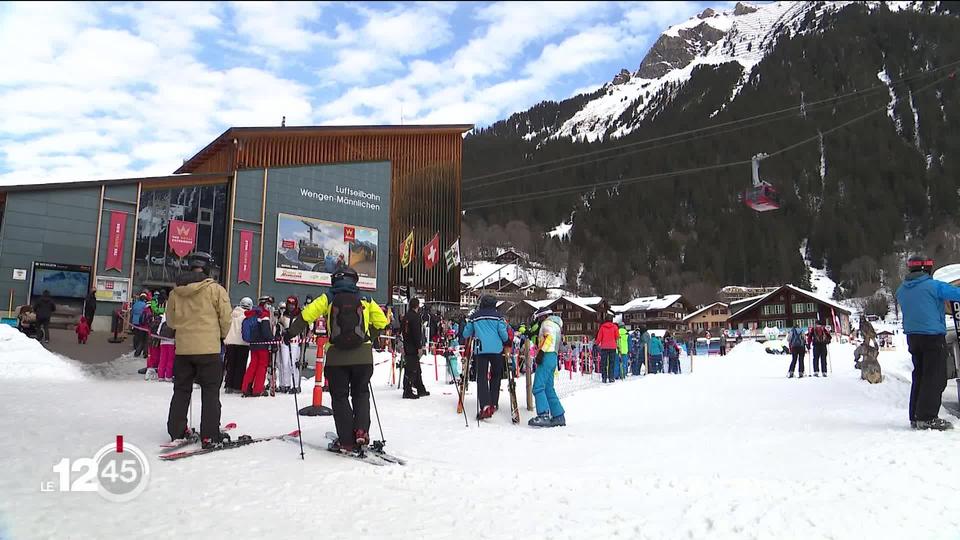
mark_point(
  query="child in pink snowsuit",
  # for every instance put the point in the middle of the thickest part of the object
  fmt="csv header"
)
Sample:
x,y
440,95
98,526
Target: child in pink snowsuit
x,y
167,352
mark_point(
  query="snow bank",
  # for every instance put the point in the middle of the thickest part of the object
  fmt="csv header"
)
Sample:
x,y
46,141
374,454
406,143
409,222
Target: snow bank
x,y
25,358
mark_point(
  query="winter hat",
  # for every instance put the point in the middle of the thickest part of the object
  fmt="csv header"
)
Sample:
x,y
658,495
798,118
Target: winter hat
x,y
487,301
542,312
920,263
246,302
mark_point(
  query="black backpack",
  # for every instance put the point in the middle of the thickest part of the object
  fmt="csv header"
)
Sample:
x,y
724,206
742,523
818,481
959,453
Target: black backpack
x,y
346,329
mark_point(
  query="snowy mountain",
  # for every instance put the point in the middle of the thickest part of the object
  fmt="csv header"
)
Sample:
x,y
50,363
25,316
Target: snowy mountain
x,y
743,35
855,101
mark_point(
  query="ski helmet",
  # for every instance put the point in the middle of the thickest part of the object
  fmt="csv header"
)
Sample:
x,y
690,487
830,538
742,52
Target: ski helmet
x,y
345,273
199,260
542,313
265,300
246,302
920,263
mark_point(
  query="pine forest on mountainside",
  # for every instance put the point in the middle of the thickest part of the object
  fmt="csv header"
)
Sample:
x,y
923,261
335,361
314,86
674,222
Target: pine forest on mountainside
x,y
880,195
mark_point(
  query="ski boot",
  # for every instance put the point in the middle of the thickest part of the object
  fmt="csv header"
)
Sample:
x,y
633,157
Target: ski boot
x,y
487,412
937,424
558,421
214,442
340,448
142,371
790,375
422,392
362,437
150,375
410,395
541,420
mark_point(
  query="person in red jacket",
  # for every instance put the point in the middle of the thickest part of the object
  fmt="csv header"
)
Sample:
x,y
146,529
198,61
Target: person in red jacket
x,y
607,341
818,338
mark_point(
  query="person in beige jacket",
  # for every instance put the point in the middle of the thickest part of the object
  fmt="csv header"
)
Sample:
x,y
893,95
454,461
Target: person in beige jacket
x,y
237,350
199,311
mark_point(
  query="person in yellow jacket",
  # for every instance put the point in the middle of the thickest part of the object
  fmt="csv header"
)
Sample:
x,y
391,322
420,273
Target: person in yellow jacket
x,y
353,322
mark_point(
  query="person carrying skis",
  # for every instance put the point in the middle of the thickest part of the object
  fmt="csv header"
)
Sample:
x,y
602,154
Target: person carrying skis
x,y
199,310
607,339
289,373
818,338
490,330
353,322
921,301
413,343
798,349
550,412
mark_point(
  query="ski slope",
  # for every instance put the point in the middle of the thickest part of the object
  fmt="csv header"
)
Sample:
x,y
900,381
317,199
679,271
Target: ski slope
x,y
733,450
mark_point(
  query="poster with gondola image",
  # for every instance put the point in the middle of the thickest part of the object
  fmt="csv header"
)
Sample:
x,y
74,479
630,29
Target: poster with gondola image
x,y
310,250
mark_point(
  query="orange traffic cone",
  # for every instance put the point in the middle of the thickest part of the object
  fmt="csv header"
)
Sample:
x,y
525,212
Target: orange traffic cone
x,y
317,408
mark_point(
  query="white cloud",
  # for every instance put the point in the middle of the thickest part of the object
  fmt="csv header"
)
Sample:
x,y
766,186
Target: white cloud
x,y
92,90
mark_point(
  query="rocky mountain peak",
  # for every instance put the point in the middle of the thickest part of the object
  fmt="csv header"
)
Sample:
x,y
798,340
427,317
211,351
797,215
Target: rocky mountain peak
x,y
743,9
676,52
622,77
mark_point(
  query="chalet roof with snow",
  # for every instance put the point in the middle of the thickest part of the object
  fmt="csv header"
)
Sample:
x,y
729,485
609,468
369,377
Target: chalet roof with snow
x,y
648,303
797,290
705,308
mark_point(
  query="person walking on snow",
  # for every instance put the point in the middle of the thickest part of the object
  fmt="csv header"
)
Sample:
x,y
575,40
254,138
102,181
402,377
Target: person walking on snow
x,y
199,310
655,349
550,412
413,343
236,350
607,339
490,330
921,301
353,323
798,349
818,338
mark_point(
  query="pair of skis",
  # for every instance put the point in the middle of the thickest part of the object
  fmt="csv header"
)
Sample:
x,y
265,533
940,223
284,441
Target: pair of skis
x,y
374,454
242,440
511,382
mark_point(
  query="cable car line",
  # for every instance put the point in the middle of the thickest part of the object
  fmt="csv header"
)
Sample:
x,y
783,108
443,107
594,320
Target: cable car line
x,y
522,197
791,110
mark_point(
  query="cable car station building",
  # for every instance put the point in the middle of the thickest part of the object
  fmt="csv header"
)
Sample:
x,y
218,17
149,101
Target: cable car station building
x,y
277,209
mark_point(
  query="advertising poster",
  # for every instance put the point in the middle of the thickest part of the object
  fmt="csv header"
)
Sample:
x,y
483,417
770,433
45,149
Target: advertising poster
x,y
111,289
310,250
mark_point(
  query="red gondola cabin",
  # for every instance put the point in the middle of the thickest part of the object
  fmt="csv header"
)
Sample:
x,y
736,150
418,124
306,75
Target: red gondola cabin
x,y
762,198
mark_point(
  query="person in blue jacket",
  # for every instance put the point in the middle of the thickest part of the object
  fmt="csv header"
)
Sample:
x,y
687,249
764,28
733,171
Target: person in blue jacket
x,y
488,328
655,350
139,336
921,301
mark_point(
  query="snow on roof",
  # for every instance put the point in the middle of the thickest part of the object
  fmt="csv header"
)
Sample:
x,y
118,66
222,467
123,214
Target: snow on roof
x,y
586,303
804,292
487,273
751,299
647,303
704,308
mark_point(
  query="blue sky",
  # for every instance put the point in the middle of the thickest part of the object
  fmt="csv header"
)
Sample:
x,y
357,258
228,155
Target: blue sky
x,y
115,90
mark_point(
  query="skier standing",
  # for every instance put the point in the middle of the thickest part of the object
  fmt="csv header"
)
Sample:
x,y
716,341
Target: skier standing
x,y
655,348
139,336
921,301
622,349
237,350
818,338
798,349
413,342
353,322
550,412
289,375
488,326
199,310
607,337
257,331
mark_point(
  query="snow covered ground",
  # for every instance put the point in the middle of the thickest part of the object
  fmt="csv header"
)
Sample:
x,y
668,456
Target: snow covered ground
x,y
734,450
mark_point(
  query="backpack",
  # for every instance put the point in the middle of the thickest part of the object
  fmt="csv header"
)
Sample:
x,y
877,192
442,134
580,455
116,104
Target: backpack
x,y
820,336
346,328
796,338
250,329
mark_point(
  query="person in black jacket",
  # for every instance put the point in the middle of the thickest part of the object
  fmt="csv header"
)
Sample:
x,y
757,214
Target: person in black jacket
x,y
44,308
90,306
413,343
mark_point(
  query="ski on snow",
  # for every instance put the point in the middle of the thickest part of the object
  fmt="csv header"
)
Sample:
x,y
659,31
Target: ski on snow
x,y
193,438
373,454
243,440
375,448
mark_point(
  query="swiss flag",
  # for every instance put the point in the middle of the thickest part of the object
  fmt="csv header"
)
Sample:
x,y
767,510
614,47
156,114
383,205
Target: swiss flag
x,y
431,252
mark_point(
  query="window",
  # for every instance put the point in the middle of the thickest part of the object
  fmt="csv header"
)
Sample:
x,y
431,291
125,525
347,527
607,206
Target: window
x,y
573,315
773,309
780,323
811,307
574,327
800,308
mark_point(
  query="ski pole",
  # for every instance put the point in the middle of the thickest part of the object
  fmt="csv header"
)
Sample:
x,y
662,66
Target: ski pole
x,y
296,406
376,411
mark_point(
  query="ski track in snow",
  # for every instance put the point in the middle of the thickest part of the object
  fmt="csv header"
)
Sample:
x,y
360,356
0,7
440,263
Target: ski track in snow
x,y
734,450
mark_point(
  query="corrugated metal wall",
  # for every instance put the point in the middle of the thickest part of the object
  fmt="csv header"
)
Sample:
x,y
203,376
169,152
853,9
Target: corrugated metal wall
x,y
426,196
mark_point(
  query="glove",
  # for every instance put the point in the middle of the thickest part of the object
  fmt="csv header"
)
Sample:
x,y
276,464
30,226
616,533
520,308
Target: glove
x,y
539,358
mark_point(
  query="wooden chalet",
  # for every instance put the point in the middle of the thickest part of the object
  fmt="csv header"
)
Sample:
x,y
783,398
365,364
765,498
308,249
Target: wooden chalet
x,y
786,307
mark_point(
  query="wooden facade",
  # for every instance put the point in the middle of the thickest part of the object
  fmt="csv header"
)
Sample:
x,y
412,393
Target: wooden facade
x,y
786,307
711,318
656,313
426,180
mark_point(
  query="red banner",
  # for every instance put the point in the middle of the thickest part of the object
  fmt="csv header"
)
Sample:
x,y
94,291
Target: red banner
x,y
349,234
246,253
118,231
182,236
